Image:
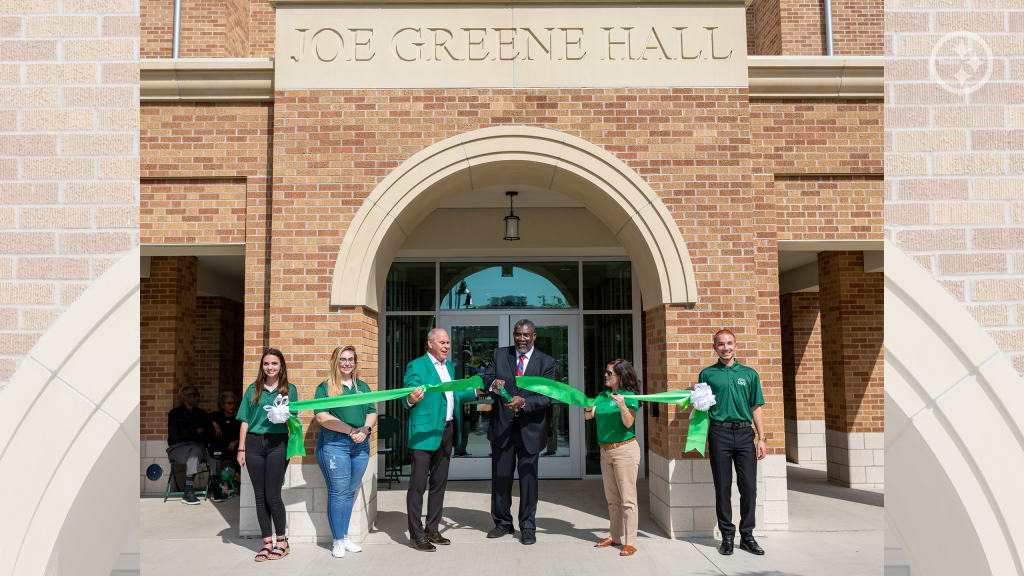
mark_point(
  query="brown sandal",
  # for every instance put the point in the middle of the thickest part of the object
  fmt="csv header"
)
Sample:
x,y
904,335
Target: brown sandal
x,y
605,543
627,550
264,552
275,555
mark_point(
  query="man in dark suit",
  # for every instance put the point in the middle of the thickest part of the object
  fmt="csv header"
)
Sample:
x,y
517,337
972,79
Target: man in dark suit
x,y
517,431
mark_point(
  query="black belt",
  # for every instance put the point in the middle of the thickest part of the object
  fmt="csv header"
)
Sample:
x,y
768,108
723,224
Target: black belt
x,y
733,425
449,422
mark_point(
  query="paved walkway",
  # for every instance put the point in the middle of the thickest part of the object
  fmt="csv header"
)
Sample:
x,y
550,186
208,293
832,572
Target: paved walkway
x,y
834,531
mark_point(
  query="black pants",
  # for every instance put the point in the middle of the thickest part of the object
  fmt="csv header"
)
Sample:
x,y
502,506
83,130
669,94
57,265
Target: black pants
x,y
504,462
265,459
731,444
432,463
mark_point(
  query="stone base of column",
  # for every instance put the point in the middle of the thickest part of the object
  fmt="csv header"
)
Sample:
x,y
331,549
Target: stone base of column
x,y
805,441
305,496
683,496
856,459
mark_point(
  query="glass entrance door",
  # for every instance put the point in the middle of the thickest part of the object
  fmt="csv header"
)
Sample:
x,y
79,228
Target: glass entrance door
x,y
474,338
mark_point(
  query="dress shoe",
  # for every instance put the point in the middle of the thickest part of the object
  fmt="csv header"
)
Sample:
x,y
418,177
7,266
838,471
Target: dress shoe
x,y
750,545
436,538
499,531
725,548
528,537
423,545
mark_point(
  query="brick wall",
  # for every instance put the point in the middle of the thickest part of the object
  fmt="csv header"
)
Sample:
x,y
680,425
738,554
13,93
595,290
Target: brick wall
x,y
218,348
851,343
767,32
190,211
663,134
829,207
167,313
857,27
261,29
221,141
156,34
801,357
803,27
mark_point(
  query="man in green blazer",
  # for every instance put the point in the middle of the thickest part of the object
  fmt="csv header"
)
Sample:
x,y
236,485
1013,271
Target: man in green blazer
x,y
434,423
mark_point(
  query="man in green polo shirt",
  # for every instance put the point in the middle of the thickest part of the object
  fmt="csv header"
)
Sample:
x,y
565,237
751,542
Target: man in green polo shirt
x,y
731,439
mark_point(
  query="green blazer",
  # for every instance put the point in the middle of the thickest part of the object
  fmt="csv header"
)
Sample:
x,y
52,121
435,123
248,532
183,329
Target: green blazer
x,y
426,417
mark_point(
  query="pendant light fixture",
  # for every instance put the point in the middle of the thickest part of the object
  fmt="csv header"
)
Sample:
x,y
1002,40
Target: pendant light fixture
x,y
511,221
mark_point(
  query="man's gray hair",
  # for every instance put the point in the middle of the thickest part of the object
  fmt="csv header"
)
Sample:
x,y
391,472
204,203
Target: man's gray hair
x,y
433,333
224,396
525,322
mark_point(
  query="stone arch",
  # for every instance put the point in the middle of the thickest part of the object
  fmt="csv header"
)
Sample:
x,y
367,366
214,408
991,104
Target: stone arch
x,y
69,436
611,190
954,434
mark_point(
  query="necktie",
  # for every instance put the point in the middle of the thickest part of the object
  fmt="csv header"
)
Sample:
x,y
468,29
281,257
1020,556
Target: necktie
x,y
519,367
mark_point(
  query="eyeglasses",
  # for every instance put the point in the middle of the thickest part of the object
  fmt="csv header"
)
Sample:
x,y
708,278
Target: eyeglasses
x,y
609,373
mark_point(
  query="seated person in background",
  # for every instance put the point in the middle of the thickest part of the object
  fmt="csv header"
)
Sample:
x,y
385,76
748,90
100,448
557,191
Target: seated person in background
x,y
225,427
188,431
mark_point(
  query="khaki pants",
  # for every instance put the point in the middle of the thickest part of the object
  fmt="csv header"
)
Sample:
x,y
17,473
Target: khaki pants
x,y
619,468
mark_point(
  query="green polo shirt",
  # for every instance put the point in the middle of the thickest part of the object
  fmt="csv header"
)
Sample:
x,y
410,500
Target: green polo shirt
x,y
608,418
737,389
256,416
354,416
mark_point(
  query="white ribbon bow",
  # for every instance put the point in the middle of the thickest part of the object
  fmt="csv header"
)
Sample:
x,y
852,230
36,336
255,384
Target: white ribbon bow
x,y
702,398
278,413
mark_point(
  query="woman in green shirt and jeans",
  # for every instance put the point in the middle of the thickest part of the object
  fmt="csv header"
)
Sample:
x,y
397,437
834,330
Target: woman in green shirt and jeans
x,y
343,448
615,416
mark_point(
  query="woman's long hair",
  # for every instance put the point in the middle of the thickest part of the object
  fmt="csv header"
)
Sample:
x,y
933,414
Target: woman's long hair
x,y
334,371
628,379
261,378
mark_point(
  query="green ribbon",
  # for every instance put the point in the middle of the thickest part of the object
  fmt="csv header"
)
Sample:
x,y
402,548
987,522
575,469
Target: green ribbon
x,y
296,442
696,435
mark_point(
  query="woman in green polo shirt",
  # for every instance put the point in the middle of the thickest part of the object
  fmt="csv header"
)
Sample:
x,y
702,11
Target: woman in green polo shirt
x,y
343,449
615,416
266,444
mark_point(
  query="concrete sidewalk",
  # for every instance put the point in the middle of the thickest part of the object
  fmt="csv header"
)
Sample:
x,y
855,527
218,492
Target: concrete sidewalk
x,y
833,530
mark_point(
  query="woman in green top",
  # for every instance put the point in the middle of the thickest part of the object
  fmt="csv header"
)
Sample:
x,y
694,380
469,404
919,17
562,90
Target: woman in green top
x,y
615,417
266,444
343,449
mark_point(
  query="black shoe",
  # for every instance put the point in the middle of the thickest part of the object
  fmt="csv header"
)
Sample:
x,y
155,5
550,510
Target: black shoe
x,y
189,497
750,545
436,538
216,494
725,548
528,537
499,531
423,545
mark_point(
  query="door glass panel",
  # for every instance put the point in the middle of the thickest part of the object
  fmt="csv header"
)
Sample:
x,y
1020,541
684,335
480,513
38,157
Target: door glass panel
x,y
405,339
605,338
481,286
554,341
472,351
607,286
411,287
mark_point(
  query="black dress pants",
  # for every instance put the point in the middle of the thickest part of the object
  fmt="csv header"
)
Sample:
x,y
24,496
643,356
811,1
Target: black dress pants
x,y
266,462
733,444
432,464
504,462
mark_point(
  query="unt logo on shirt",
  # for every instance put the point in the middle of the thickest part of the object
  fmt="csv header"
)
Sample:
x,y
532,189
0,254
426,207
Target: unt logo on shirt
x,y
741,381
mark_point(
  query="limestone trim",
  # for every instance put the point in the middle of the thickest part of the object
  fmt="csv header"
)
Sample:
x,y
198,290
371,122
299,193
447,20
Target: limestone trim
x,y
952,418
78,372
844,77
611,190
207,79
229,79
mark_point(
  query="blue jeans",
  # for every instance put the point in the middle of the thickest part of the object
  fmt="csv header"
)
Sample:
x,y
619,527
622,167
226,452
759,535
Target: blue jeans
x,y
343,463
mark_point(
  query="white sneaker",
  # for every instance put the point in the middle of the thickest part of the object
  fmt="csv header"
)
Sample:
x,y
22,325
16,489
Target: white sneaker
x,y
352,546
339,549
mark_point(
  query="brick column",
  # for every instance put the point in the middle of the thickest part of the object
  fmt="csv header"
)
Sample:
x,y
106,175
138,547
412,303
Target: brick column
x,y
851,344
801,379
167,348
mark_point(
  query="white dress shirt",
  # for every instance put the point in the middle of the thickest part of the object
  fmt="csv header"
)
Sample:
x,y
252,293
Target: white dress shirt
x,y
442,372
526,361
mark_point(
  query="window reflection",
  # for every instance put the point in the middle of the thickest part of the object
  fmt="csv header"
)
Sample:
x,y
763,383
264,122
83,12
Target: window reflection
x,y
481,286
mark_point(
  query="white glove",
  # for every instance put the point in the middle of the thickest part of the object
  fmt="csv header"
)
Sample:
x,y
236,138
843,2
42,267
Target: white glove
x,y
702,398
278,413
